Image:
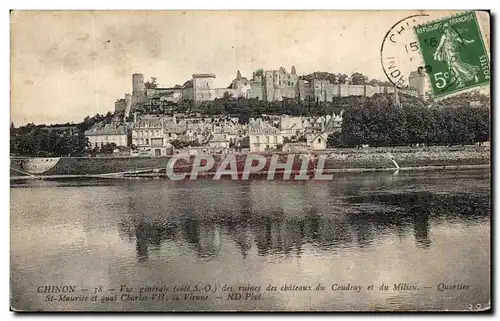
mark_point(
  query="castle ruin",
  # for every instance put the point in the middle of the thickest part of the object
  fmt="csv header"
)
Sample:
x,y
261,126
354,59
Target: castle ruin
x,y
267,85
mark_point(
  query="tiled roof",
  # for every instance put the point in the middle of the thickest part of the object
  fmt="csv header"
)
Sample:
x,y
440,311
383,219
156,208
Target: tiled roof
x,y
107,130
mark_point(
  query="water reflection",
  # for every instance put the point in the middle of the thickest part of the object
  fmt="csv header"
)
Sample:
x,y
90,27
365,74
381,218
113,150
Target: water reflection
x,y
366,229
285,224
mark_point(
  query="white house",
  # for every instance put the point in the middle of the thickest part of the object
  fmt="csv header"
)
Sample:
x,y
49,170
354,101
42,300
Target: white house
x,y
291,126
111,133
264,137
219,141
319,142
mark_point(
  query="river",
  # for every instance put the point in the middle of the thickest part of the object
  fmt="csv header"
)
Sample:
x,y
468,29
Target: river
x,y
425,229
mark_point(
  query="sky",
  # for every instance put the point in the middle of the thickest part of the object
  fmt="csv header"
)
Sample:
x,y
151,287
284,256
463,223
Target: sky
x,y
66,65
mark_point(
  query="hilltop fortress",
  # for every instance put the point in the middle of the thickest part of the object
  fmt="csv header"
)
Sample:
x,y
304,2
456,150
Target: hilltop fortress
x,y
268,85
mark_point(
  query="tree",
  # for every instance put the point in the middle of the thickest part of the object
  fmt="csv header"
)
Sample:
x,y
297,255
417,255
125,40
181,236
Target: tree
x,y
259,73
151,84
334,140
482,125
418,125
342,78
227,96
108,148
177,143
358,78
355,129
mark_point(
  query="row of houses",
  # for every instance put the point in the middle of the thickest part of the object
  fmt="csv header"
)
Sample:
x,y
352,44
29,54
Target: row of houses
x,y
157,135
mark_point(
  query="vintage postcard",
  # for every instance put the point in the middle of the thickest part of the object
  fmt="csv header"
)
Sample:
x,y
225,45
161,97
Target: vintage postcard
x,y
250,161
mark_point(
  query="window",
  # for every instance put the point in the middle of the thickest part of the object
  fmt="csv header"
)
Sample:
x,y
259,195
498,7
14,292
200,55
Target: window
x,y
147,141
275,139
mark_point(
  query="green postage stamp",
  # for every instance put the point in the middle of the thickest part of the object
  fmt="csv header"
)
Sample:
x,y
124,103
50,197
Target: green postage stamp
x,y
454,53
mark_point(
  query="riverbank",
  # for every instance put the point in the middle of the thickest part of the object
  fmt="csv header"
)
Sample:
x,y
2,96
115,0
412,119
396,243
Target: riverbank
x,y
337,160
408,157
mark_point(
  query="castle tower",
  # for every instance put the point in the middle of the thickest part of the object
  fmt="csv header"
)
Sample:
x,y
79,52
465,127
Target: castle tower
x,y
238,75
268,85
203,87
137,82
294,72
417,81
138,88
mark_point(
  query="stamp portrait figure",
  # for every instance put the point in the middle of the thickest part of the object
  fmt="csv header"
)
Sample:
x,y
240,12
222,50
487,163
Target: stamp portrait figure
x,y
448,51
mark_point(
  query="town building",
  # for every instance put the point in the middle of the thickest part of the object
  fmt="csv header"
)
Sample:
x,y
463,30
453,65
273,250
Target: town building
x,y
148,135
102,134
219,141
319,142
291,126
264,137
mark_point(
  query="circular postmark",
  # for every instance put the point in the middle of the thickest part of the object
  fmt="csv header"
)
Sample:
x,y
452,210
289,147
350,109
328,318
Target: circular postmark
x,y
399,53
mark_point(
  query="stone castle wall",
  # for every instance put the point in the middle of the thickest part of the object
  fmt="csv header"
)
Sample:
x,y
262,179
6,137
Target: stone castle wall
x,y
273,85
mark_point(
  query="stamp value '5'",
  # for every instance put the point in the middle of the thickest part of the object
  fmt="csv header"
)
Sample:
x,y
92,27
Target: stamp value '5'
x,y
454,51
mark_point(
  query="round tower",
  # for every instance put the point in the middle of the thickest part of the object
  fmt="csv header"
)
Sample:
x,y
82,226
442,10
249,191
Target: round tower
x,y
137,83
